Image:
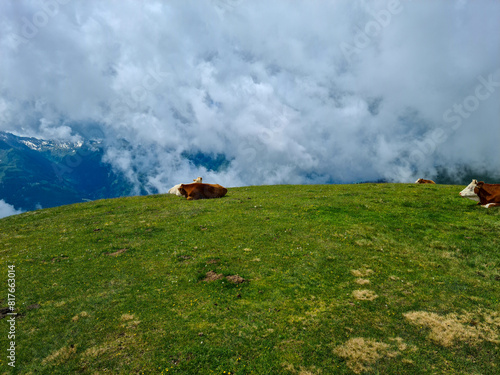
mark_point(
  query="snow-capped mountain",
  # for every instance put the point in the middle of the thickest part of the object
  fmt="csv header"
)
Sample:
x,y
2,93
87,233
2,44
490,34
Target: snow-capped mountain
x,y
36,173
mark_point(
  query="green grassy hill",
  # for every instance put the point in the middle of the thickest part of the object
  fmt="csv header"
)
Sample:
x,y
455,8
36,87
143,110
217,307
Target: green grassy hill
x,y
330,279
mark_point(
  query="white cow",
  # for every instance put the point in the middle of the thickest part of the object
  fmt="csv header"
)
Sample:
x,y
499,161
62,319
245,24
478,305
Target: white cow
x,y
175,189
468,192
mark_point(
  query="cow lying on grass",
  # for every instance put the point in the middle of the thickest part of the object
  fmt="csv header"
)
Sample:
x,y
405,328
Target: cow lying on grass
x,y
175,189
422,181
487,195
202,191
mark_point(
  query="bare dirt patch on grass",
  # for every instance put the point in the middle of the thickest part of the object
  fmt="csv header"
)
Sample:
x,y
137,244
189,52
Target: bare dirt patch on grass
x,y
213,276
236,279
33,306
454,328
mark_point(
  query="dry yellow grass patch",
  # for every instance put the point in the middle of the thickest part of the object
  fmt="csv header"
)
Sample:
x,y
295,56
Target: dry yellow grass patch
x,y
364,295
448,255
116,253
312,371
302,370
312,315
60,356
126,317
317,309
398,341
124,345
83,314
362,281
129,319
360,353
291,343
362,272
119,347
452,328
364,242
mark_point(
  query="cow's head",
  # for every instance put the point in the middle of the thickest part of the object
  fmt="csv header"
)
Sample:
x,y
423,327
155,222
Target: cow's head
x,y
198,179
418,181
468,192
478,186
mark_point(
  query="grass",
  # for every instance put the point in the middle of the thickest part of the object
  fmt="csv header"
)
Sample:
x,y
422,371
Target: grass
x,y
338,279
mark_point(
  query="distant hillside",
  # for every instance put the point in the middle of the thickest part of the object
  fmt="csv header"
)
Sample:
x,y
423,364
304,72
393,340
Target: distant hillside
x,y
38,173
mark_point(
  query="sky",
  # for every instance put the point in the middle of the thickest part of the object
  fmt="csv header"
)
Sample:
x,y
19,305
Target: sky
x,y
290,92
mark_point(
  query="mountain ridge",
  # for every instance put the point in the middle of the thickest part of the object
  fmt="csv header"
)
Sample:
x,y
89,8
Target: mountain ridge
x,y
37,173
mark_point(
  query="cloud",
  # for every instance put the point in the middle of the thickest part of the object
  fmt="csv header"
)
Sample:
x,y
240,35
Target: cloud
x,y
7,210
316,92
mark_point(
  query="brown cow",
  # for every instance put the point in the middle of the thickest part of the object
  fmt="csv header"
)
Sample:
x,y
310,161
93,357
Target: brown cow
x,y
202,191
422,181
175,189
489,194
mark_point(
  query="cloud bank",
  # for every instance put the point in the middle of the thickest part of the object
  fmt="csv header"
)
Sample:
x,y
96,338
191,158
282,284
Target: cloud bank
x,y
7,209
302,92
